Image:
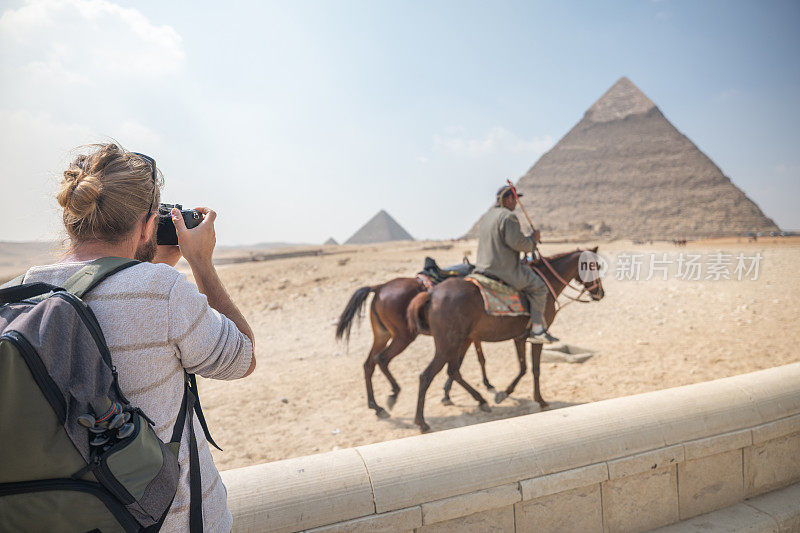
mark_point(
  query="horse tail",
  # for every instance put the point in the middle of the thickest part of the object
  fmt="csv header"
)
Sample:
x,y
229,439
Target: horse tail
x,y
416,314
353,308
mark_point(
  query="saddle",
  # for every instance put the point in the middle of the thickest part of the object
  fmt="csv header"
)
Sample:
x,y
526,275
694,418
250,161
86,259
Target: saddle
x,y
499,298
432,274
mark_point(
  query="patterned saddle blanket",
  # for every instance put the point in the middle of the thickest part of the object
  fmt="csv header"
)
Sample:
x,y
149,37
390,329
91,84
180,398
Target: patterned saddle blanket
x,y
499,299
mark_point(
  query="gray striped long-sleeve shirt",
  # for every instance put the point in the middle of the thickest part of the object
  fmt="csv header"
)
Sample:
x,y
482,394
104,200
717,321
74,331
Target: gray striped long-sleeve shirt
x,y
156,324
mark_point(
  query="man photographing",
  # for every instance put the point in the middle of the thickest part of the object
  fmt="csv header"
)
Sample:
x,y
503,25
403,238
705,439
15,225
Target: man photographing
x,y
157,324
500,241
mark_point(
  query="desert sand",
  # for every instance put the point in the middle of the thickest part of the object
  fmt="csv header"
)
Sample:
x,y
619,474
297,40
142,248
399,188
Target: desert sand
x,y
307,394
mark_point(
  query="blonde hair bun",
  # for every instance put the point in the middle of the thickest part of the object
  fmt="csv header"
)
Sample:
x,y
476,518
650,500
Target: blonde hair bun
x,y
80,194
105,193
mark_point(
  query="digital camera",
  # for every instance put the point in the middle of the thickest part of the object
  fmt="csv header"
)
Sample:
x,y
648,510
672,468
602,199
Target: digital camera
x,y
166,228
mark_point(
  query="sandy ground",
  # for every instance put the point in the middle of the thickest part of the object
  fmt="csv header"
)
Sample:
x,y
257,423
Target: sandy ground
x,y
307,394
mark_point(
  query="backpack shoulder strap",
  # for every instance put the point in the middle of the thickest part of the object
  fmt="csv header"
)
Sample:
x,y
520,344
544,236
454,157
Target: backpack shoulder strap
x,y
27,291
89,276
190,406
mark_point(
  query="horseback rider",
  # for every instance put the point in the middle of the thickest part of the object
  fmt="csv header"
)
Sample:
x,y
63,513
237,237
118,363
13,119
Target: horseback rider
x,y
500,240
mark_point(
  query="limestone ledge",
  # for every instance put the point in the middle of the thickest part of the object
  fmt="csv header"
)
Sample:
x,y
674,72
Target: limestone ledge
x,y
632,447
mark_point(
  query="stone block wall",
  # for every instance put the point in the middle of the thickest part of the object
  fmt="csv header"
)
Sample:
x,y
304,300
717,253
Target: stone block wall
x,y
627,464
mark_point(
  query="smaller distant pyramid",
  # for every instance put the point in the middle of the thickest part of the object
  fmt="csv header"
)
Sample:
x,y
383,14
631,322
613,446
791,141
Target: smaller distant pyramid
x,y
331,240
380,228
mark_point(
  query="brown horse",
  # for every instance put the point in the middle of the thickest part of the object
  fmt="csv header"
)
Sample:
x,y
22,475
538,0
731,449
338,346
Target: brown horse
x,y
454,315
390,331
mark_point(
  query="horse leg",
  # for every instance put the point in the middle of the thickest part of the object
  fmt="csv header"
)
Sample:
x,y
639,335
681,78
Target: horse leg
x,y
399,343
536,358
379,342
453,370
425,379
519,343
447,386
482,361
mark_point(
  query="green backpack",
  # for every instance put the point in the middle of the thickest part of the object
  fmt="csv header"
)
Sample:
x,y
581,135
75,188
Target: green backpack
x,y
75,455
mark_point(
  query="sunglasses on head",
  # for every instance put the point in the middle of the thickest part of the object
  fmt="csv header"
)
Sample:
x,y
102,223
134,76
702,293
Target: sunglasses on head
x,y
152,163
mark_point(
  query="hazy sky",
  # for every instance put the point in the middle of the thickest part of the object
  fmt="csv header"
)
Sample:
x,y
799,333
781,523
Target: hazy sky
x,y
298,121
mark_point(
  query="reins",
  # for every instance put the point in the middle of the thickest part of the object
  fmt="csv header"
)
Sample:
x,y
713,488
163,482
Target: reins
x,y
581,291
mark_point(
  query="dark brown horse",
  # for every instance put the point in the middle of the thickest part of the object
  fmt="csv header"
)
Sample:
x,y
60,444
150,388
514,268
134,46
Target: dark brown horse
x,y
454,315
390,331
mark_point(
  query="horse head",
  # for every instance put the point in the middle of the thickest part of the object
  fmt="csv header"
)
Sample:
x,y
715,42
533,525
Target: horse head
x,y
589,273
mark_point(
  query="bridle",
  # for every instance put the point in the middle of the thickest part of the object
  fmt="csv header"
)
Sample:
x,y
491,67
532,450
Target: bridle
x,y
567,284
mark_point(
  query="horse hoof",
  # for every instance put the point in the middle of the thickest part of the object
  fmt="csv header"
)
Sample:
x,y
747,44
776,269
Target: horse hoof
x,y
500,396
391,400
491,388
381,413
485,407
423,427
447,401
543,405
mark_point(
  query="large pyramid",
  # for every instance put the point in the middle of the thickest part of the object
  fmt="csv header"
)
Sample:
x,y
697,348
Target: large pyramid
x,y
380,228
625,170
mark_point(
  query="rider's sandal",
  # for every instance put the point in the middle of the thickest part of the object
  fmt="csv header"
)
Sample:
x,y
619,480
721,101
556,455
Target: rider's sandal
x,y
542,338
